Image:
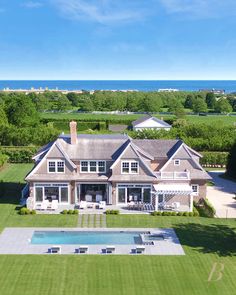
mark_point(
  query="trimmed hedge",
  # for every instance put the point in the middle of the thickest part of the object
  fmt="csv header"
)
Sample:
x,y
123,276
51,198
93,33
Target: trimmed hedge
x,y
19,154
70,212
214,159
26,211
112,212
173,213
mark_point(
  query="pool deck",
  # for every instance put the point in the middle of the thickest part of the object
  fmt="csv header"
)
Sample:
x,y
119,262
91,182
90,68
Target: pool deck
x,y
18,241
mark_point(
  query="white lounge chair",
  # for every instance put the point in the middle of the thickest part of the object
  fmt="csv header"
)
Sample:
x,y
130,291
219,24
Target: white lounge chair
x,y
88,198
82,249
83,205
98,198
54,205
176,205
55,250
140,249
110,249
44,205
102,205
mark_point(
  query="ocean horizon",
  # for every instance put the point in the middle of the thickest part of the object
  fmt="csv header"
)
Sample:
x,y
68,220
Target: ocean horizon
x,y
228,86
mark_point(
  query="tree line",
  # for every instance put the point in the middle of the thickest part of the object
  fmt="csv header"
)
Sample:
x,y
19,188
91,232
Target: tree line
x,y
174,102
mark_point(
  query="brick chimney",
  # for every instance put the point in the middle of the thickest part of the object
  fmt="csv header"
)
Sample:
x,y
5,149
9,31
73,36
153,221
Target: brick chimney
x,y
73,132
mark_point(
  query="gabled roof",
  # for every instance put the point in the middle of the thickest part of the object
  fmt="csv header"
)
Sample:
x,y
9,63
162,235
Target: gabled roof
x,y
145,118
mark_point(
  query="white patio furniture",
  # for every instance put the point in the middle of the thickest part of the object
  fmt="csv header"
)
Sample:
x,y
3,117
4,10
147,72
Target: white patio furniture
x,y
102,205
54,205
83,205
44,205
82,249
88,198
55,250
140,249
110,249
176,205
98,198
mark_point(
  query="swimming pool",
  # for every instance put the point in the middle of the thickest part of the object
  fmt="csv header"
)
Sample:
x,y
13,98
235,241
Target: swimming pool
x,y
87,237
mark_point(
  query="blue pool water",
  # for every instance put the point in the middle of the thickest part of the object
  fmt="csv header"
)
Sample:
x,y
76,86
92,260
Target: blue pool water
x,y
86,238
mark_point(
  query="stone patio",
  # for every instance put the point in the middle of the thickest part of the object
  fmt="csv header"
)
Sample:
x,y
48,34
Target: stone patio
x,y
18,241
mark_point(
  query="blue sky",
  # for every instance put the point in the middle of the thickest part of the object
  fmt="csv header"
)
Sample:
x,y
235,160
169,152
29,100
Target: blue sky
x,y
124,39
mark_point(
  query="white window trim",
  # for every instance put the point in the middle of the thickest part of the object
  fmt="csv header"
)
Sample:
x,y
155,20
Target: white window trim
x,y
56,167
197,192
178,162
130,172
97,167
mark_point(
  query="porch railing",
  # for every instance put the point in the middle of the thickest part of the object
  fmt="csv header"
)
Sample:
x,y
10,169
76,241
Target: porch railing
x,y
173,175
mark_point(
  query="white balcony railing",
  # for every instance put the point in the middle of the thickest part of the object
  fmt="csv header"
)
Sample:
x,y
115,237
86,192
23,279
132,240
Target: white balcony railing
x,y
173,175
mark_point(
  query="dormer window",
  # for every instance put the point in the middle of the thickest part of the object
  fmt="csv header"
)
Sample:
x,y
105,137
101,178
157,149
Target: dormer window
x,y
177,162
129,167
56,166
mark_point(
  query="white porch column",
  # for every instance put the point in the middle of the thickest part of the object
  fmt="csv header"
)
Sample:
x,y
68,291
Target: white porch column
x,y
156,201
191,202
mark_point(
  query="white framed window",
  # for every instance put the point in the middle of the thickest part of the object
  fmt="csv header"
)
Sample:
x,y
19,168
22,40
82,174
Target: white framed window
x,y
92,166
195,189
84,166
176,162
56,166
60,166
129,167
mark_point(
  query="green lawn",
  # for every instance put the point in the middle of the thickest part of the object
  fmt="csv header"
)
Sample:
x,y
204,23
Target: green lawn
x,y
207,243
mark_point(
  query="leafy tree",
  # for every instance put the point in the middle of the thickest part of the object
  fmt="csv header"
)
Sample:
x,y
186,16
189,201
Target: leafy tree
x,y
210,100
21,111
73,98
188,104
62,103
3,116
223,106
175,105
151,103
231,167
199,105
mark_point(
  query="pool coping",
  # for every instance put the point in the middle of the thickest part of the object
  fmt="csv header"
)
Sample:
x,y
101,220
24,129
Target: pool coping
x,y
18,241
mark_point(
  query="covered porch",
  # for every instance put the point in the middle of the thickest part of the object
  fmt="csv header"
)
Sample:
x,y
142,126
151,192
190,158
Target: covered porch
x,y
172,197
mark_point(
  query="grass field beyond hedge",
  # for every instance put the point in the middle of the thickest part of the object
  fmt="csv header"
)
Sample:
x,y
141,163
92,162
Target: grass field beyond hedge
x,y
208,244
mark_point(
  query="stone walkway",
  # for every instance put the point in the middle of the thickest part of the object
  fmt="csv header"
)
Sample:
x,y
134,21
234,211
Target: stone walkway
x,y
92,220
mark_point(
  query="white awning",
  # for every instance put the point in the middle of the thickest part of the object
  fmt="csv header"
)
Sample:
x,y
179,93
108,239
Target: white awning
x,y
173,189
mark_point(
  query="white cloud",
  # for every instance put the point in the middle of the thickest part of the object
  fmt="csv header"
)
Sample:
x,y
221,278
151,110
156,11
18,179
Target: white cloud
x,y
201,8
32,4
102,11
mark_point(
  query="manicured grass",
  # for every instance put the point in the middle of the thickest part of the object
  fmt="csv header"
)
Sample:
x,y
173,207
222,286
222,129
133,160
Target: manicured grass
x,y
205,241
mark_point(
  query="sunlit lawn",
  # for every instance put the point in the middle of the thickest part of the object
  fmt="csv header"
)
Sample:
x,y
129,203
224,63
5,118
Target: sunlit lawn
x,y
207,243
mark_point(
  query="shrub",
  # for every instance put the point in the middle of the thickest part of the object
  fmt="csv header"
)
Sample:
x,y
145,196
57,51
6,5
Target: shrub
x,y
173,213
64,212
180,214
24,211
112,212
76,212
205,208
33,212
70,211
3,159
19,154
191,214
185,213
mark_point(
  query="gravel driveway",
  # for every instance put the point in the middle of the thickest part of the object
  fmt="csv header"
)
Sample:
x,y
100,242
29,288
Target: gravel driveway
x,y
221,195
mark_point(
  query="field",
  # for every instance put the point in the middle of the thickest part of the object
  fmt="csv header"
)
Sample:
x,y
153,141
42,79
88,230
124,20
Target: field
x,y
209,266
195,119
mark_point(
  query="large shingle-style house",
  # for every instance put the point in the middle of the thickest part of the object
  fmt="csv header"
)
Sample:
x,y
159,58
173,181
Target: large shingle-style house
x,y
118,170
149,122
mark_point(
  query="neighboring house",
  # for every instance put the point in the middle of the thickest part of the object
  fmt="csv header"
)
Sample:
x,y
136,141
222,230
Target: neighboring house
x,y
149,122
117,169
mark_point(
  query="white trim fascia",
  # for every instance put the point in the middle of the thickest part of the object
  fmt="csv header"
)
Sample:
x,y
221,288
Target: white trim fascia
x,y
117,160
41,162
168,161
193,151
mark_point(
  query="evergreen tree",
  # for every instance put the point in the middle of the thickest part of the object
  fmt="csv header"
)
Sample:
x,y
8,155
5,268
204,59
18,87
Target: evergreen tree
x,y
231,163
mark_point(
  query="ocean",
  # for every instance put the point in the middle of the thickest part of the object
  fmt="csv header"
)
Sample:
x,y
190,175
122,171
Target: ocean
x,y
142,85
